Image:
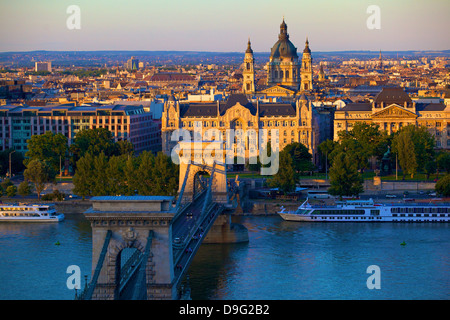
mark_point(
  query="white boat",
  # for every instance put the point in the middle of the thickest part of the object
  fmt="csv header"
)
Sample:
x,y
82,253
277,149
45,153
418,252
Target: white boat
x,y
29,213
368,211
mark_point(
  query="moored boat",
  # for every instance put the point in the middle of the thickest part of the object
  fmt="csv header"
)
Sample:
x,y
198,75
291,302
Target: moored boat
x,y
29,213
368,211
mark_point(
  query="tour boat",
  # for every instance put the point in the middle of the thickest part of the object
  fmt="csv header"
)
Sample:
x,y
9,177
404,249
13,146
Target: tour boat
x,y
29,213
368,211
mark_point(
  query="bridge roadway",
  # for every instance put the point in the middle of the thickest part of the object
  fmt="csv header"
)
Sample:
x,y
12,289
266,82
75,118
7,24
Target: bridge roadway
x,y
189,230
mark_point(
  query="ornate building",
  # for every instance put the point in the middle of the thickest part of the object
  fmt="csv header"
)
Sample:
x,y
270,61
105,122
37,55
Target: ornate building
x,y
283,67
306,72
393,109
296,122
248,73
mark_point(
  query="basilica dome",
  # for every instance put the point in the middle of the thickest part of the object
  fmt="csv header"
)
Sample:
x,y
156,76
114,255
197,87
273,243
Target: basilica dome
x,y
283,48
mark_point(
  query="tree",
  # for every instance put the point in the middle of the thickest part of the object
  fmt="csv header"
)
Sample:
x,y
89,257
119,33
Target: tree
x,y
345,180
6,183
24,189
165,176
101,187
93,141
11,191
115,174
284,179
39,173
443,161
443,185
363,142
405,149
414,146
84,178
301,158
49,147
145,183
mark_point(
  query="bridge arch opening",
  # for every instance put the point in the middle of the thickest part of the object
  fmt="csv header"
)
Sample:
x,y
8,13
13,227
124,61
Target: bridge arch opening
x,y
127,266
201,181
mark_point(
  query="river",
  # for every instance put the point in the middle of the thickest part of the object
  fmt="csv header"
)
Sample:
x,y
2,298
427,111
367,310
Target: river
x,y
282,261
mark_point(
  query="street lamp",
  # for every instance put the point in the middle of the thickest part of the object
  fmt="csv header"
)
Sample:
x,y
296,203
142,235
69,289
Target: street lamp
x,y
10,175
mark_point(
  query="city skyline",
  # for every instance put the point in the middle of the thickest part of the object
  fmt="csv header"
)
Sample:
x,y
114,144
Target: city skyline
x,y
225,26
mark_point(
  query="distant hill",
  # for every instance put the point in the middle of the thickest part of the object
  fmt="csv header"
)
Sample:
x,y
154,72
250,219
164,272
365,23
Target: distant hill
x,y
112,57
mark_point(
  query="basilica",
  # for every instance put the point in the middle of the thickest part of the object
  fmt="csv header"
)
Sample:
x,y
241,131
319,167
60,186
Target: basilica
x,y
296,120
286,75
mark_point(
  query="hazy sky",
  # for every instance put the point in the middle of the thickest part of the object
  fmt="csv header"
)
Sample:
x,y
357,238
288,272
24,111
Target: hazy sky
x,y
223,25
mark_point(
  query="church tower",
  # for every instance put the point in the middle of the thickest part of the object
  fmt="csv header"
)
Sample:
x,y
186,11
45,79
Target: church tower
x,y
306,70
283,67
248,73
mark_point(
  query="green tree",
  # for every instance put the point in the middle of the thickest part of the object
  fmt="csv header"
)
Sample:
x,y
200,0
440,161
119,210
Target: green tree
x,y
49,147
345,180
301,158
146,183
39,173
115,174
443,161
24,189
443,185
93,141
6,183
165,176
414,146
11,191
84,178
430,168
284,179
101,187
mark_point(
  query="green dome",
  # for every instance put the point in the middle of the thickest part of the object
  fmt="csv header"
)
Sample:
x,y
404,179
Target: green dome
x,y
283,48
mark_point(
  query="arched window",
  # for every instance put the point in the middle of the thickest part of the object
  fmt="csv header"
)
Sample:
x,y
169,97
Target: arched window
x,y
248,65
281,74
287,74
275,74
248,86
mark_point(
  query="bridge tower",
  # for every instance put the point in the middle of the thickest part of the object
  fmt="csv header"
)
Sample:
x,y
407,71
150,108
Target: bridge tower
x,y
139,222
201,156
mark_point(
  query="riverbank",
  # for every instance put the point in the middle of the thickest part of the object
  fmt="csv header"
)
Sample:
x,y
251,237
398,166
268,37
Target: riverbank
x,y
67,206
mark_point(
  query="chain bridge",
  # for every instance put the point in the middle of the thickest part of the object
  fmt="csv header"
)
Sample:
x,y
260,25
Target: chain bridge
x,y
142,246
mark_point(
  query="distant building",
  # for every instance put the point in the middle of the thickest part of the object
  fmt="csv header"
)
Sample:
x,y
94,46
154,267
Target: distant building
x,y
126,122
392,109
43,66
132,64
172,78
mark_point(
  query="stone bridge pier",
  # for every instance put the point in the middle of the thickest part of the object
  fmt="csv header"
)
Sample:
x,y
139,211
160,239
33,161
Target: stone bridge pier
x,y
129,221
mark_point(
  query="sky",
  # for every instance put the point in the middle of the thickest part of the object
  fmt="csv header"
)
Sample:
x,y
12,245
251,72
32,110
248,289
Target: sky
x,y
223,25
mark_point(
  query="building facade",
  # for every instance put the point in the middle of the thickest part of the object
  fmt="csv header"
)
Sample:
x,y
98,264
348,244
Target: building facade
x,y
131,123
393,109
297,121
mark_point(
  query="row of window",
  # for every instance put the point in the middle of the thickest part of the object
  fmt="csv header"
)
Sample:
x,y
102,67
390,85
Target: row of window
x,y
442,215
420,210
286,123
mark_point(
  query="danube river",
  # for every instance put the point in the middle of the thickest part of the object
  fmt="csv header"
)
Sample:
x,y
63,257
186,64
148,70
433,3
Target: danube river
x,y
282,261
